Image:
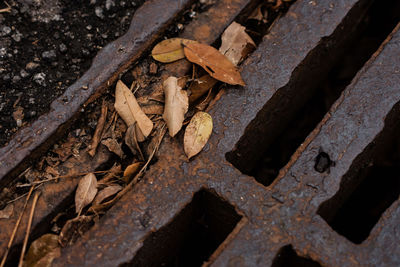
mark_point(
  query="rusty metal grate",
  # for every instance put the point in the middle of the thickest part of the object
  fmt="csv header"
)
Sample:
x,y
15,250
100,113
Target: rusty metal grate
x,y
369,187
193,235
300,169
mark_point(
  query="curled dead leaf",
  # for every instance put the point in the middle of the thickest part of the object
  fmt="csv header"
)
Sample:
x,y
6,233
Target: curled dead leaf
x,y
197,133
129,109
217,65
236,43
170,50
43,251
176,105
86,191
106,193
113,146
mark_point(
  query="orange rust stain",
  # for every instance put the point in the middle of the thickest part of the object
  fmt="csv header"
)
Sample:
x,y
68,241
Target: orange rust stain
x,y
202,33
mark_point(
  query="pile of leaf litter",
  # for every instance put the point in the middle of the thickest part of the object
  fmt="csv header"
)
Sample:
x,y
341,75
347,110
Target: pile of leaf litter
x,y
132,124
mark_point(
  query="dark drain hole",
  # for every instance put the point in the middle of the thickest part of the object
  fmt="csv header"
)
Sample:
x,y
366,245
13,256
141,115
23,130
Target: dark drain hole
x,y
371,185
192,237
296,109
287,257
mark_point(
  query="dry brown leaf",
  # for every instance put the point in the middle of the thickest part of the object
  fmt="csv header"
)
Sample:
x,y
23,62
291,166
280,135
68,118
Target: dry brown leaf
x,y
7,211
236,43
113,146
201,86
86,191
216,64
154,109
131,140
170,50
197,133
106,192
176,105
43,251
73,229
129,109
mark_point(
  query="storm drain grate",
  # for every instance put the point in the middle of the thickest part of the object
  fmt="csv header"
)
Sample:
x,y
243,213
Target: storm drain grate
x,y
193,235
300,169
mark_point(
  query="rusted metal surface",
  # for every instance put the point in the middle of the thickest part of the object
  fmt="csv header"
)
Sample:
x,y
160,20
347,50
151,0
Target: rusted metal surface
x,y
54,197
31,141
284,213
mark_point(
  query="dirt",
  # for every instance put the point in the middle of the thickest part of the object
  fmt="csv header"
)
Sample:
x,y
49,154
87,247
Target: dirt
x,y
46,45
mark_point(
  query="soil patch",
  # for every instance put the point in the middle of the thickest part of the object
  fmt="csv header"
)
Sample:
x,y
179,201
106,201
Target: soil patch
x,y
45,46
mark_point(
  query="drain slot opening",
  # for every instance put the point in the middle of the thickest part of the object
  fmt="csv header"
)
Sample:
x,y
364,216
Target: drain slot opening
x,y
371,185
287,257
193,235
296,109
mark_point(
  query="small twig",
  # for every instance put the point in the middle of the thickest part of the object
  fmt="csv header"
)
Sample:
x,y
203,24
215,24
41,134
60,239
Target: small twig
x,y
137,88
28,229
99,130
194,71
215,99
113,117
3,261
7,9
21,196
204,103
58,177
136,178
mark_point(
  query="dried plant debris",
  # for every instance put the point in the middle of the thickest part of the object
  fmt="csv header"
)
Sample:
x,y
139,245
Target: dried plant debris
x,y
43,251
216,64
7,211
86,191
200,86
129,109
131,170
140,124
176,105
73,229
99,130
236,43
170,50
113,146
106,193
18,115
197,133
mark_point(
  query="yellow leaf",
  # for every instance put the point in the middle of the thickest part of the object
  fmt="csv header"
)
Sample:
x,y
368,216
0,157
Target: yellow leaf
x,y
129,109
197,133
176,105
170,50
217,65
